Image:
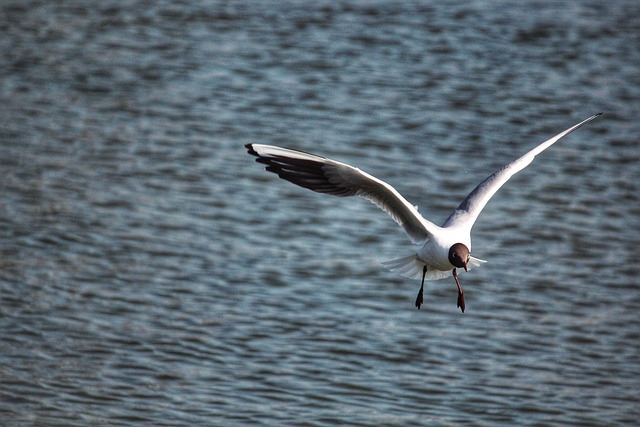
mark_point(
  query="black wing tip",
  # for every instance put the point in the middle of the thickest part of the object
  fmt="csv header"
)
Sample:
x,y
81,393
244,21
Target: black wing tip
x,y
250,150
598,114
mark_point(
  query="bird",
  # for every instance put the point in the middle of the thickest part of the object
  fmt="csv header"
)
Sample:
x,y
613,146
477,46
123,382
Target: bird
x,y
439,249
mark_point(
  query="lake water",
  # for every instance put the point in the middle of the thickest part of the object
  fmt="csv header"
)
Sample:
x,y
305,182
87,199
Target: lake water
x,y
151,273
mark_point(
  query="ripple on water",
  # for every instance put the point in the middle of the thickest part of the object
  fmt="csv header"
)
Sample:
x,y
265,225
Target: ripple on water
x,y
152,273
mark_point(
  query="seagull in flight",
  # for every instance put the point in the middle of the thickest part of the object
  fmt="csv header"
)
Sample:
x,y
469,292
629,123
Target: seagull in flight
x,y
440,249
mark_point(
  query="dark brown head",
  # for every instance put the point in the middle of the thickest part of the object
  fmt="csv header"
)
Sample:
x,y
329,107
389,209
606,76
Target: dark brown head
x,y
459,256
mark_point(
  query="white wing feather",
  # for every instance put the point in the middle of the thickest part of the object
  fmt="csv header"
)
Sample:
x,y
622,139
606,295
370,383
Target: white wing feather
x,y
340,179
467,212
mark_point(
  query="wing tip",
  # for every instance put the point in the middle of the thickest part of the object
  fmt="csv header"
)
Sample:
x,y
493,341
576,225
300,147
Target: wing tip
x,y
595,116
251,150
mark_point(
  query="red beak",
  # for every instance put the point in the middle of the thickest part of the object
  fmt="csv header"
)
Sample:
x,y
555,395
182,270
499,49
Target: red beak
x,y
464,264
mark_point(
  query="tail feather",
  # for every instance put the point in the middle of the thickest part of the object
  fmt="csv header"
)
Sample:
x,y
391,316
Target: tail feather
x,y
411,267
475,262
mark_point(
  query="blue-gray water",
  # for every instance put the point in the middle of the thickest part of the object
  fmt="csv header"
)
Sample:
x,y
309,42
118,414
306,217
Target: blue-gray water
x,y
151,273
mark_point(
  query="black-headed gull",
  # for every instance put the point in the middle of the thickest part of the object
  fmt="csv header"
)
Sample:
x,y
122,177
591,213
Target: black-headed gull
x,y
441,249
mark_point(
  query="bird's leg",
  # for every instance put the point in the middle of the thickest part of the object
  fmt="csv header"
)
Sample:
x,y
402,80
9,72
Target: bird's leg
x,y
460,294
419,298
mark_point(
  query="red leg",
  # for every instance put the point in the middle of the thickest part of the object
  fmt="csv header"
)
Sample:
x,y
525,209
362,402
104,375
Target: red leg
x,y
419,298
460,293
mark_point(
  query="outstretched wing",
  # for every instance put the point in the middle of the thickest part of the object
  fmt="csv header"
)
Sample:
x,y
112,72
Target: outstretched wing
x,y
339,179
466,214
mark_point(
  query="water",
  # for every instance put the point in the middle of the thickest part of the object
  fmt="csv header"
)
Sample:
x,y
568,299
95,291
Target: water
x,y
153,274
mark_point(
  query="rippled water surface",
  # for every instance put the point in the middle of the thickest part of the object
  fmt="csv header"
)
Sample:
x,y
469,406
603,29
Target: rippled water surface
x,y
151,273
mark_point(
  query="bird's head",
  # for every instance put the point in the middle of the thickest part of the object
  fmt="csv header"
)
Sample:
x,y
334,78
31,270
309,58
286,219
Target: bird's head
x,y
459,255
